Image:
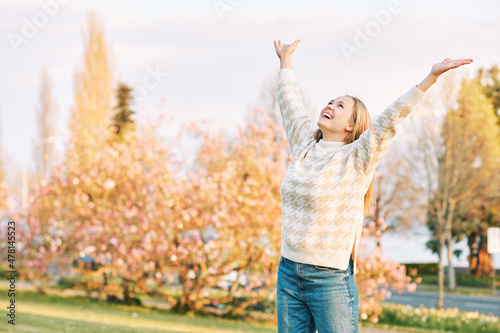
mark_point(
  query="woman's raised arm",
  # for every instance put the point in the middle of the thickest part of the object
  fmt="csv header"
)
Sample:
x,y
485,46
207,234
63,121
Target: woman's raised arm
x,y
439,69
297,122
375,141
284,52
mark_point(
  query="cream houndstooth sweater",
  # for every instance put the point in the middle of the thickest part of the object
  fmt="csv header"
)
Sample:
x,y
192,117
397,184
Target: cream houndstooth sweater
x,y
323,189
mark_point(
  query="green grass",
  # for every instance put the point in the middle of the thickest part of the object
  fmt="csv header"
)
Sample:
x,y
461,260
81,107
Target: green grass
x,y
26,322
458,291
466,285
59,313
50,313
463,280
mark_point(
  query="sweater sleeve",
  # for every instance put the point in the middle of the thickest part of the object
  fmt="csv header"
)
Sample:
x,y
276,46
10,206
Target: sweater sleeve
x,y
298,125
375,141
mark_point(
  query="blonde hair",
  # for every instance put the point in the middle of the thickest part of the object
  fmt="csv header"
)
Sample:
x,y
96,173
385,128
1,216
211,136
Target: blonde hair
x,y
361,120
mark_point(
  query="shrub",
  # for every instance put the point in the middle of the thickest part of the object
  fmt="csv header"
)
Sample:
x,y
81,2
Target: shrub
x,y
423,268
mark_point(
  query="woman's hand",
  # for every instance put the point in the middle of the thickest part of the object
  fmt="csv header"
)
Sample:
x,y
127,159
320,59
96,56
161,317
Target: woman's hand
x,y
440,68
284,52
285,49
448,64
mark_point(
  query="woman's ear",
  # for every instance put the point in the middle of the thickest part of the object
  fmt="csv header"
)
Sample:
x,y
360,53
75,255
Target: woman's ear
x,y
349,128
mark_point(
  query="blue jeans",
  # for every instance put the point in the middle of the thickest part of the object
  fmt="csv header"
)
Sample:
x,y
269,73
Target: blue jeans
x,y
311,298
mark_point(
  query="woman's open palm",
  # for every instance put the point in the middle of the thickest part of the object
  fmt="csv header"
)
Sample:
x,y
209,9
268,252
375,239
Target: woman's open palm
x,y
282,49
448,64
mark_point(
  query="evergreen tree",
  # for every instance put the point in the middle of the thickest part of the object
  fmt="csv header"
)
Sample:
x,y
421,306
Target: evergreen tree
x,y
122,120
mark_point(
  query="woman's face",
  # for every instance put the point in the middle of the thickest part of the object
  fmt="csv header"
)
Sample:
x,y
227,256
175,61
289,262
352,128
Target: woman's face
x,y
335,119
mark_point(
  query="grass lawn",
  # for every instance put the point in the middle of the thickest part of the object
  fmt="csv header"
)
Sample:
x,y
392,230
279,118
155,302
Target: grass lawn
x,y
471,291
49,313
466,285
57,313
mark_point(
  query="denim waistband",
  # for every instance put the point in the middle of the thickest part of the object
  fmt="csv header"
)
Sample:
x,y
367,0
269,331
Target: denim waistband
x,y
350,266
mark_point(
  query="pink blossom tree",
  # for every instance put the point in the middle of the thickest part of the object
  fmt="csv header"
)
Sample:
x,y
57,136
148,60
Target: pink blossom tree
x,y
230,219
377,274
106,203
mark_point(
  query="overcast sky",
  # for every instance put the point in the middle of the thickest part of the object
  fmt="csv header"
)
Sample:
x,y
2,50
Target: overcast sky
x,y
219,53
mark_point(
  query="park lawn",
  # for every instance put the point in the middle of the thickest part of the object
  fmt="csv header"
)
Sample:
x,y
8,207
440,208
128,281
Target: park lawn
x,y
464,280
466,284
471,291
50,313
76,314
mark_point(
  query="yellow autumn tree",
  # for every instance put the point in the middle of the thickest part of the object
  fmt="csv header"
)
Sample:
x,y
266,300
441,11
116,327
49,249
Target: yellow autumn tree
x,y
93,83
466,166
473,132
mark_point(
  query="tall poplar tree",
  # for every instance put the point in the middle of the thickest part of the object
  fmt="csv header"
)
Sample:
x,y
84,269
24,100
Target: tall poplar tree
x,y
47,117
93,83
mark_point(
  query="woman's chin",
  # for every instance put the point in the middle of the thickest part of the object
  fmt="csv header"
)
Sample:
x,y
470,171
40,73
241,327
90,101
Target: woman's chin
x,y
321,124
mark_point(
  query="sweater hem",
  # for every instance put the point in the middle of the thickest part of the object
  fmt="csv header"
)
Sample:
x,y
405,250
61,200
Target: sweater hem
x,y
320,257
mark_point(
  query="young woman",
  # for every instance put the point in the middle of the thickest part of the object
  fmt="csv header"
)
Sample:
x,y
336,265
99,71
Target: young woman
x,y
325,195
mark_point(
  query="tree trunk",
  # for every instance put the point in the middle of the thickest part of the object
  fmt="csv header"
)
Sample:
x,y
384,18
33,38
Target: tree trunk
x,y
473,253
182,305
452,285
126,292
440,300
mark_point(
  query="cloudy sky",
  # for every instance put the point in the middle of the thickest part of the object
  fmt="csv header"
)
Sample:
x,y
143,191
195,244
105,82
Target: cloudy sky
x,y
219,53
